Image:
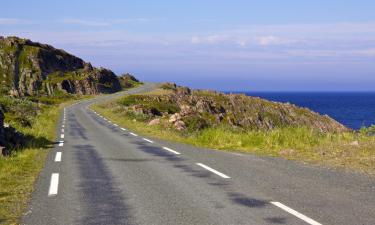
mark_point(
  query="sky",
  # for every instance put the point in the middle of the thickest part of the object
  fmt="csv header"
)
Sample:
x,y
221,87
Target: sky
x,y
238,45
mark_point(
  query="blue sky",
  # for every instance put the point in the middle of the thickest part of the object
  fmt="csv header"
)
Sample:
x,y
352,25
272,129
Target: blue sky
x,y
268,45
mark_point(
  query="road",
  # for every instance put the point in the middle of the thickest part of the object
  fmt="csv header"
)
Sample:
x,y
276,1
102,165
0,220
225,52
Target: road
x,y
102,173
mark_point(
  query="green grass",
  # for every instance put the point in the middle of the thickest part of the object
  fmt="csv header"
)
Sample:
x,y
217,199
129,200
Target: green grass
x,y
294,143
18,172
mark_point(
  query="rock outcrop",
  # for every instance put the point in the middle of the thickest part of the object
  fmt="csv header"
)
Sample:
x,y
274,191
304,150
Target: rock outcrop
x,y
127,80
30,69
197,109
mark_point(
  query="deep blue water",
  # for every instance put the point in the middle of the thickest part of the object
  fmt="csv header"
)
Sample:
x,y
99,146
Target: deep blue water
x,y
354,110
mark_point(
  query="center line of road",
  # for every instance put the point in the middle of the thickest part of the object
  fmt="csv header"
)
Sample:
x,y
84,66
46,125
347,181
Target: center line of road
x,y
62,136
123,129
213,171
147,140
62,130
115,125
171,150
58,157
54,186
135,135
61,143
295,213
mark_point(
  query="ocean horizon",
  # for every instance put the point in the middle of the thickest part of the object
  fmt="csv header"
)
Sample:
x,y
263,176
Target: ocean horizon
x,y
353,109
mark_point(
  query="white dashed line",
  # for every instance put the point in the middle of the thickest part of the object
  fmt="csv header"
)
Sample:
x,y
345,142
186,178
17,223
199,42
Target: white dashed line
x,y
58,157
171,150
213,171
295,213
123,129
115,125
62,130
63,125
61,143
54,186
62,136
135,135
147,140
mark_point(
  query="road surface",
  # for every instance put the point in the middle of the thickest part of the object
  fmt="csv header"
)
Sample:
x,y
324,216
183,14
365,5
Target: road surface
x,y
102,173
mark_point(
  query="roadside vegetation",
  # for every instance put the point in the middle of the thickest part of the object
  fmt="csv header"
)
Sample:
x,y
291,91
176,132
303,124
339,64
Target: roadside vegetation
x,y
150,114
34,120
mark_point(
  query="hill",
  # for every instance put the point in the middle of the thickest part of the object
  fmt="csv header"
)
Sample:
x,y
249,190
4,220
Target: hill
x,y
32,69
194,110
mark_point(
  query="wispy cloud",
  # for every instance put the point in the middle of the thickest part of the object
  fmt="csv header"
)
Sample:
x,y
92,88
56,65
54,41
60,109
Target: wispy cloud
x,y
102,23
85,22
13,21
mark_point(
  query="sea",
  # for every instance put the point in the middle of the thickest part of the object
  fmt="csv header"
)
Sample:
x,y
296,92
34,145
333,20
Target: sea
x,y
353,109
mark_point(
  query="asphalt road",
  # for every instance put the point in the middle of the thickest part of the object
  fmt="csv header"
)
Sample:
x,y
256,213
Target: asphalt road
x,y
101,173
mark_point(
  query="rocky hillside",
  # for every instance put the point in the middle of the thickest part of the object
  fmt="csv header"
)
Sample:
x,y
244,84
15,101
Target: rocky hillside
x,y
128,81
30,69
186,109
2,131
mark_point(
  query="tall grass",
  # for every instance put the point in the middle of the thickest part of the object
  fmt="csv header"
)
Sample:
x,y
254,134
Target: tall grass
x,y
348,150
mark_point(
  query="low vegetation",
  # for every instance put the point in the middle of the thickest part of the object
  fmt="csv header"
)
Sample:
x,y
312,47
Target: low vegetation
x,y
153,114
35,119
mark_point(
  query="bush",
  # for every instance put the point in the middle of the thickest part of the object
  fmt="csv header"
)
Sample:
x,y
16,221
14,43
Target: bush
x,y
195,123
132,100
149,103
21,111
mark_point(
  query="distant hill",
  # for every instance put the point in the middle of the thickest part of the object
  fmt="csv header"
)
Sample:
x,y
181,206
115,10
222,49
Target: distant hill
x,y
31,69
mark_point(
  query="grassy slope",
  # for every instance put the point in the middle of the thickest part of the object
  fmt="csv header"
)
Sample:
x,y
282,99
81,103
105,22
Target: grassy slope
x,y
291,143
19,172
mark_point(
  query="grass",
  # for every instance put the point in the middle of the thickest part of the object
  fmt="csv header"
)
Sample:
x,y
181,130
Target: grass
x,y
19,172
294,143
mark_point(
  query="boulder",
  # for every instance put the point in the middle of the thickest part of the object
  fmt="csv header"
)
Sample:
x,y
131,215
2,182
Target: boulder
x,y
179,125
154,122
174,118
186,110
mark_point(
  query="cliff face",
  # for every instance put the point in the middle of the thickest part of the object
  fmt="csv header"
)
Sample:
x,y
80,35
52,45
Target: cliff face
x,y
28,68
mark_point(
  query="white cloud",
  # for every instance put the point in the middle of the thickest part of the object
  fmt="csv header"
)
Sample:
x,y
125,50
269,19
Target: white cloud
x,y
269,40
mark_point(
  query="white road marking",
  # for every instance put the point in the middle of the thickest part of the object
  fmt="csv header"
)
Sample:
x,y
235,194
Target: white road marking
x,y
61,143
115,125
54,186
62,130
134,134
213,171
296,214
171,150
58,157
62,136
123,129
147,140
63,125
